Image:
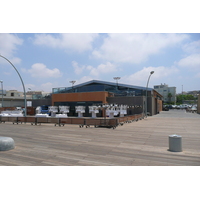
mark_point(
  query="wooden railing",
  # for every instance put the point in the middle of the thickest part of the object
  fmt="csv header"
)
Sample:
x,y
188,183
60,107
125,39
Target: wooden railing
x,y
97,122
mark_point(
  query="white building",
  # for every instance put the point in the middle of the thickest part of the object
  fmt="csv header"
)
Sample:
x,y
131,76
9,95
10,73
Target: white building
x,y
11,98
14,98
168,93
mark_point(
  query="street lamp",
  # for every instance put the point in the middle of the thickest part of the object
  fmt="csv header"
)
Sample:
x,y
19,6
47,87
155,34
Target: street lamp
x,y
1,93
116,78
72,82
30,92
21,81
146,93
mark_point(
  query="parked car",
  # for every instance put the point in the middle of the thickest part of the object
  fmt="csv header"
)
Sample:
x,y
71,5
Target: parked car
x,y
177,107
165,108
194,108
174,106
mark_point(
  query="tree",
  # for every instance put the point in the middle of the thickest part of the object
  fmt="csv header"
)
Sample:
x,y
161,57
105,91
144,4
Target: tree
x,y
180,98
169,97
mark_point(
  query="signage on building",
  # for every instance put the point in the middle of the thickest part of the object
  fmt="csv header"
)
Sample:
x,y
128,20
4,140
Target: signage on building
x,y
29,103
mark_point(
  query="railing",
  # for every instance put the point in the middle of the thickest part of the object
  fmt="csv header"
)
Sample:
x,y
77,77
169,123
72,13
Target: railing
x,y
112,123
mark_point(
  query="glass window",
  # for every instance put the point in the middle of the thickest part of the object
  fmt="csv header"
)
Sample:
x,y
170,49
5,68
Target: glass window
x,y
94,87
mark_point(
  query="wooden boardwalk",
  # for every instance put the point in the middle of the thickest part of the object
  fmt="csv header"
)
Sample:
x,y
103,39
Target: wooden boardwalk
x,y
142,143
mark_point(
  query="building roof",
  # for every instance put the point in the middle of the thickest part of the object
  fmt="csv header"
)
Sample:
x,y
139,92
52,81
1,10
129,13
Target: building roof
x,y
113,84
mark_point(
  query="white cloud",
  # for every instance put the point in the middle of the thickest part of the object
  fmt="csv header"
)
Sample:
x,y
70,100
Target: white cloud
x,y
39,70
191,62
83,79
192,48
102,69
47,87
30,87
135,48
141,77
78,42
8,46
94,71
47,40
78,70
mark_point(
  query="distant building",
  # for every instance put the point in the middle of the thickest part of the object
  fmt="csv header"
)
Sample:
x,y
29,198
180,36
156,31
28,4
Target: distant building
x,y
168,93
14,98
194,93
38,94
13,94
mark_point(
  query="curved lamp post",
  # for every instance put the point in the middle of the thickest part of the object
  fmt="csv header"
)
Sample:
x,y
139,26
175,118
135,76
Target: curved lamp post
x,y
146,93
21,81
1,93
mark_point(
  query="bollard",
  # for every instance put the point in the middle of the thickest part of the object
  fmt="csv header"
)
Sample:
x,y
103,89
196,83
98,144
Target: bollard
x,y
175,143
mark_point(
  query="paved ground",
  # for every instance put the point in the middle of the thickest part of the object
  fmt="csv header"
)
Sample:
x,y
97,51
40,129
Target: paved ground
x,y
142,143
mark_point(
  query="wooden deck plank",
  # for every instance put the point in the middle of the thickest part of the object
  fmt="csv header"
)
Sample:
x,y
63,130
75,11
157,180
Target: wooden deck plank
x,y
139,143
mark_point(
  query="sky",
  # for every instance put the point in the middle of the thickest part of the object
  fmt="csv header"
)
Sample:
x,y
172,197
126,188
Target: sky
x,y
50,60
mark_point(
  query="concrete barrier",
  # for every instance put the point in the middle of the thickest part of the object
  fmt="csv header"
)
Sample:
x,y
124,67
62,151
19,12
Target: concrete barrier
x,y
6,143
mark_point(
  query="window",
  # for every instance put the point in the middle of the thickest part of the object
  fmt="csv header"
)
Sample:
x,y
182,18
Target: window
x,y
12,94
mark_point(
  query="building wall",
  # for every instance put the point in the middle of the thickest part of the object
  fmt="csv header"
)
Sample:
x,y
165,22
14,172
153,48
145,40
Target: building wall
x,y
157,102
13,102
104,97
40,102
83,98
155,107
130,101
160,105
13,93
78,97
154,101
198,105
164,90
13,98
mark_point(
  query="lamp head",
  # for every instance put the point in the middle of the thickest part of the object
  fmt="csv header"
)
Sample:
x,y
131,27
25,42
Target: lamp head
x,y
72,82
151,72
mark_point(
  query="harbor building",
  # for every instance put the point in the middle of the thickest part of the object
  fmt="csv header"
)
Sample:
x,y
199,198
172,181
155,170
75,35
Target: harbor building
x,y
97,92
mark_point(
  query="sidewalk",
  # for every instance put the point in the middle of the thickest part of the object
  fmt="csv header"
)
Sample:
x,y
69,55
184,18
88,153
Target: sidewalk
x,y
142,143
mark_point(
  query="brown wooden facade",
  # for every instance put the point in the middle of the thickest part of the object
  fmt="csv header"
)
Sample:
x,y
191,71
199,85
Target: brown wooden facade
x,y
81,97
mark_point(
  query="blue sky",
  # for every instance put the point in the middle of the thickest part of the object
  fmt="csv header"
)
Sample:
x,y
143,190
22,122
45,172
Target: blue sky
x,y
47,60
52,44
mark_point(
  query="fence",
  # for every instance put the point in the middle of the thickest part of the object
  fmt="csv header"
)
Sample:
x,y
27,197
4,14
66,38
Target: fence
x,y
112,123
